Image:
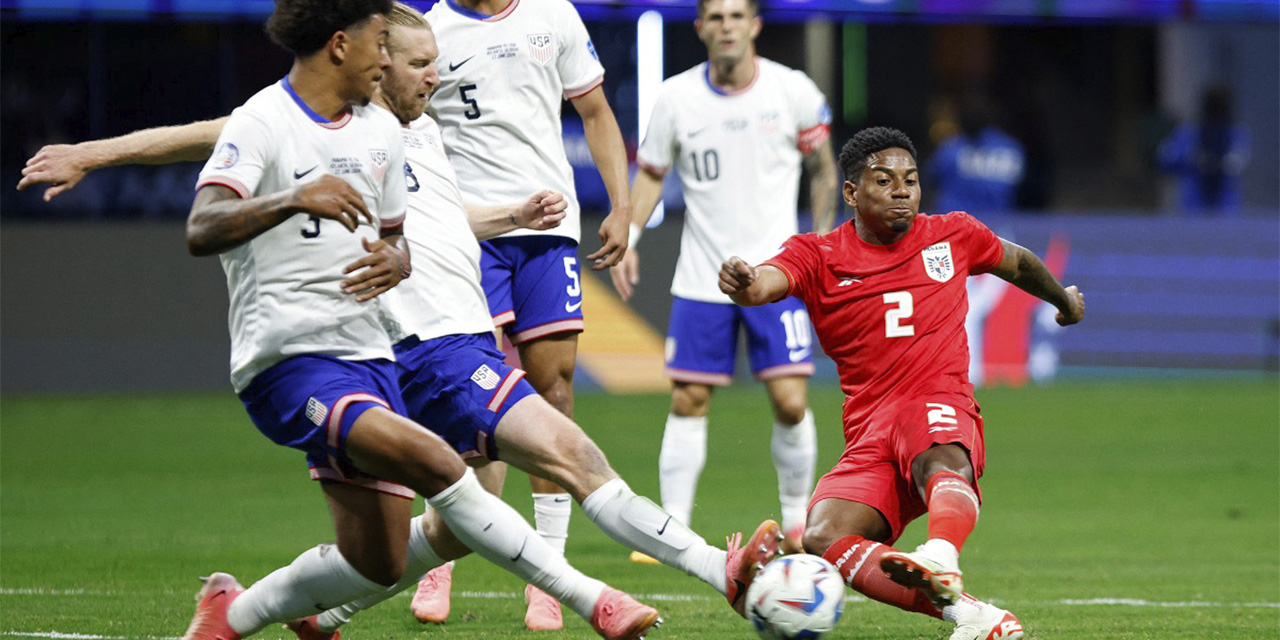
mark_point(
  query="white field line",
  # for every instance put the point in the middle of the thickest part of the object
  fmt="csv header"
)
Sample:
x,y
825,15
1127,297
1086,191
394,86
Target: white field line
x,y
652,597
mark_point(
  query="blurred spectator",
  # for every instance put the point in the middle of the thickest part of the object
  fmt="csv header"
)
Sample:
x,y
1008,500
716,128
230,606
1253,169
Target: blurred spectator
x,y
978,169
1208,157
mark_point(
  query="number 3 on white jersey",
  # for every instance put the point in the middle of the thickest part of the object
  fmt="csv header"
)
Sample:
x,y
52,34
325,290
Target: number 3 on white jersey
x,y
894,317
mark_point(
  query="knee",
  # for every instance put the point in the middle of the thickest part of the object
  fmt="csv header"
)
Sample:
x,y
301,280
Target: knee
x,y
790,410
559,394
385,571
950,458
818,537
690,400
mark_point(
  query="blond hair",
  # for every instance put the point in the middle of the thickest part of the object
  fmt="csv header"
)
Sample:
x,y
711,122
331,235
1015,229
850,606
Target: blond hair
x,y
403,15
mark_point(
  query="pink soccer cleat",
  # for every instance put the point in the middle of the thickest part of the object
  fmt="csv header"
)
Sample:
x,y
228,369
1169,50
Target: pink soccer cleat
x,y
309,629
793,540
744,562
431,601
544,611
213,599
990,623
617,616
941,583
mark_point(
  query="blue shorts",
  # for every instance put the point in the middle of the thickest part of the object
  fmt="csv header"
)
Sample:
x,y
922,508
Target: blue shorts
x,y
702,340
310,402
459,387
534,284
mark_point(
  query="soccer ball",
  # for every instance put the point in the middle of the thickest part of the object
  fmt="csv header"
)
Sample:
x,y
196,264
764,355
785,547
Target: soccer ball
x,y
796,597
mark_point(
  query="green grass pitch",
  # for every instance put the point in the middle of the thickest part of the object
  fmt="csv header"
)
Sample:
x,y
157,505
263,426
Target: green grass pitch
x,y
1112,510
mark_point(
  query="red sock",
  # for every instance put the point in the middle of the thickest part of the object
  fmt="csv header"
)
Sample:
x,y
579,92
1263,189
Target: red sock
x,y
858,561
953,507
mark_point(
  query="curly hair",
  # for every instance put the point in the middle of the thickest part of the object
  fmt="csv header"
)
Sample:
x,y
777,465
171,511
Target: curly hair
x,y
304,26
854,155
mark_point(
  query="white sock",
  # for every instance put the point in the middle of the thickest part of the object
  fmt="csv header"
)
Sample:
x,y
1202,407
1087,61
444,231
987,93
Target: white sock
x,y
491,528
636,522
317,580
680,462
420,559
551,517
795,453
963,608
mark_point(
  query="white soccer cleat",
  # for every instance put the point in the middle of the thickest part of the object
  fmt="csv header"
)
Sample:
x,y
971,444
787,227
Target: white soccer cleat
x,y
937,577
989,623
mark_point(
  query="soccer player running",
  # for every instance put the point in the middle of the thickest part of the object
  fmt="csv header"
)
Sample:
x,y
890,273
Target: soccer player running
x,y
284,198
452,377
737,129
507,65
886,292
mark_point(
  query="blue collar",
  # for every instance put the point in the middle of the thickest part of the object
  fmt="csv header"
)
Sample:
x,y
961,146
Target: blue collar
x,y
315,117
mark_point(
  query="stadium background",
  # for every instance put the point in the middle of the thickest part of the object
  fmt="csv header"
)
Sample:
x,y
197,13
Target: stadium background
x,y
101,310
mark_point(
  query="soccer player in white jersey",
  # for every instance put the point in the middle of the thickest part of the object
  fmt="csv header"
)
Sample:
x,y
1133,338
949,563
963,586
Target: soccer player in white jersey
x,y
311,359
452,377
507,66
737,129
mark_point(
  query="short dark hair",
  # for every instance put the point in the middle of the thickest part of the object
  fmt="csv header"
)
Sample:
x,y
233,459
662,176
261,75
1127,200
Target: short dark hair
x,y
754,4
304,26
854,155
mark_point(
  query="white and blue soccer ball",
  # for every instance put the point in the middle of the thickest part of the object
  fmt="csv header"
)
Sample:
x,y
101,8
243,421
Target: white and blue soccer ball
x,y
796,597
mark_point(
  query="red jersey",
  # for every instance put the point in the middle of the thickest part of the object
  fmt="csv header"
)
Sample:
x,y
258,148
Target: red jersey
x,y
892,317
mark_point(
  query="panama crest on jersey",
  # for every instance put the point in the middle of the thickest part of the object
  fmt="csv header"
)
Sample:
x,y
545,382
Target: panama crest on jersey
x,y
541,47
937,261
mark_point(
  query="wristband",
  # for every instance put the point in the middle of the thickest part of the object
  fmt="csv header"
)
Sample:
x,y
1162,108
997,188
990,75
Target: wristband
x,y
634,237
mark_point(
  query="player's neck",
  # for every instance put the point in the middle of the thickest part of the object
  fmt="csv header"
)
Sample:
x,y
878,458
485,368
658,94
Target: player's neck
x,y
732,76
870,236
488,7
319,90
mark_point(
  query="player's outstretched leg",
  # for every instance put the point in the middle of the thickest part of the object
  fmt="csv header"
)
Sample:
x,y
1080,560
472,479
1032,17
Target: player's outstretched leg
x,y
934,567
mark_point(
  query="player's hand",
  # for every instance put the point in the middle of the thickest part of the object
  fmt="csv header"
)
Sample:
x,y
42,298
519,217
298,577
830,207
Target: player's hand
x,y
61,166
542,210
613,238
1076,312
332,198
626,274
736,276
376,273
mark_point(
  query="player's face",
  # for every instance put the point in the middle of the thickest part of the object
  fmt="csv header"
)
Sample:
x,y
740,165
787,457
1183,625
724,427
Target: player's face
x,y
887,194
365,57
412,76
728,28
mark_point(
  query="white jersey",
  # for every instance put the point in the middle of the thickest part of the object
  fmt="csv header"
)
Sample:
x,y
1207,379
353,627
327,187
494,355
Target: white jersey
x,y
738,155
443,297
286,296
502,79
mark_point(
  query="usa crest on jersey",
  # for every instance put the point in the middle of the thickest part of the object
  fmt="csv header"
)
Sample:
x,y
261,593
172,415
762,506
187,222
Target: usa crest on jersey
x,y
541,47
379,158
937,261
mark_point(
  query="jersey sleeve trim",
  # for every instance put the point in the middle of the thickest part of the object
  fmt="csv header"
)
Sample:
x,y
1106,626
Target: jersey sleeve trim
x,y
228,182
394,222
791,279
652,169
571,93
810,139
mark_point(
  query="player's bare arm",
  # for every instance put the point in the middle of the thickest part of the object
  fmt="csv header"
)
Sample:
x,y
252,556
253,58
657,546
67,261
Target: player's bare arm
x,y
220,220
385,266
646,191
605,141
752,286
63,166
824,181
1023,269
540,211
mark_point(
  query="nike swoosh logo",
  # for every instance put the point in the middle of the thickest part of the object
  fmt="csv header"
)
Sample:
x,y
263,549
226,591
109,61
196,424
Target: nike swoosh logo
x,y
664,526
455,67
299,175
571,307
693,134
561,500
741,592
521,551
796,355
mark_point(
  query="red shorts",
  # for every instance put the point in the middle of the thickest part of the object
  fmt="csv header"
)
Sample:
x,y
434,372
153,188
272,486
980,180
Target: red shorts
x,y
875,468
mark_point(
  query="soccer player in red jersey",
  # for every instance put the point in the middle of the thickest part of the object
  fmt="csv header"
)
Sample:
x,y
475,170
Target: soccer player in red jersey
x,y
886,295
